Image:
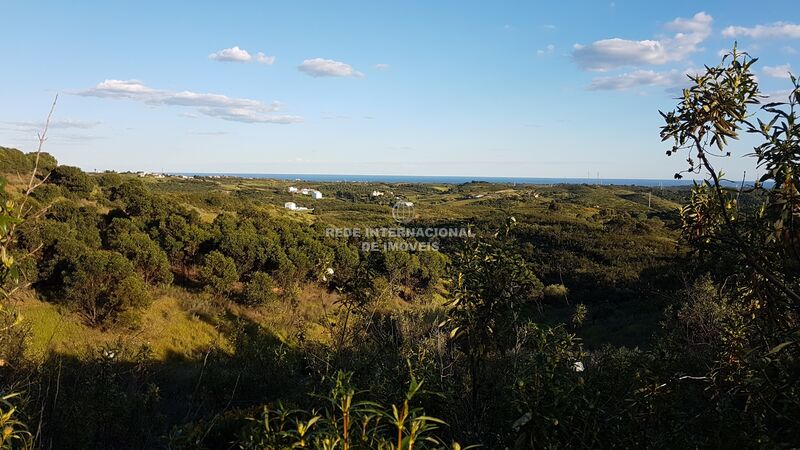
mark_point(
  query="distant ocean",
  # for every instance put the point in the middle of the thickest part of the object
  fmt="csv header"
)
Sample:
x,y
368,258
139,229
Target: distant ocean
x,y
327,178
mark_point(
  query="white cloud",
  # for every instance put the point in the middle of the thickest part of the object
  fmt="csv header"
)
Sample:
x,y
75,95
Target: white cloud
x,y
319,67
781,71
233,54
264,59
777,96
236,54
789,50
75,138
32,128
249,116
382,66
549,50
773,30
642,78
67,123
614,53
212,105
638,78
120,89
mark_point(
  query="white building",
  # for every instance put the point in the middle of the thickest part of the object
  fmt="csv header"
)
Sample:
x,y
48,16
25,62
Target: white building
x,y
316,195
377,194
292,189
290,205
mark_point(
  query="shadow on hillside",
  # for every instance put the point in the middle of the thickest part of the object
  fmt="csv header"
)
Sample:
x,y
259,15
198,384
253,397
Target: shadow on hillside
x,y
117,397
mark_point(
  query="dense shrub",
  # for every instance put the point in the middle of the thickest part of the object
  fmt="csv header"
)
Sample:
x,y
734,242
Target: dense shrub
x,y
84,220
218,273
47,162
46,193
145,254
73,179
109,180
14,161
259,290
102,284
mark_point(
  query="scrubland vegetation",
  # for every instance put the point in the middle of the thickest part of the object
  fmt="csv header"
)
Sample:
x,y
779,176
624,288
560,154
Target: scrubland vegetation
x,y
198,313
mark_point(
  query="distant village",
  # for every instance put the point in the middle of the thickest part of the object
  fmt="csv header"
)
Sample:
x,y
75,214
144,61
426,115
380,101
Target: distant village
x,y
313,193
292,206
143,174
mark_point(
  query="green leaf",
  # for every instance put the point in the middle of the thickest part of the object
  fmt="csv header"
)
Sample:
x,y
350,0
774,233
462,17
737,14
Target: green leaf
x,y
780,347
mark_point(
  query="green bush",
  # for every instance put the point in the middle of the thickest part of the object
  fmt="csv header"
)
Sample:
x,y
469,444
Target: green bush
x,y
109,180
345,419
101,284
145,254
47,162
259,290
46,193
73,179
13,160
218,273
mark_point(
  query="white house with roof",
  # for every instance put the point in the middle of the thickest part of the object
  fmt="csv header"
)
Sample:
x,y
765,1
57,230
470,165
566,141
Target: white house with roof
x,y
292,206
315,194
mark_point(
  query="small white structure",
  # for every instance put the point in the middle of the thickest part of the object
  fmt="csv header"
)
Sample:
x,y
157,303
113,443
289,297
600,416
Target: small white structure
x,y
292,189
292,206
316,195
377,194
305,191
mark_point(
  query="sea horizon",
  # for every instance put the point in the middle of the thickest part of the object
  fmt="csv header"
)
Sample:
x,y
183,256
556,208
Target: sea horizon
x,y
453,179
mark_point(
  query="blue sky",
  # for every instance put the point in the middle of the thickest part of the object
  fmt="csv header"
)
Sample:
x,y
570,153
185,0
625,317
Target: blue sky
x,y
416,88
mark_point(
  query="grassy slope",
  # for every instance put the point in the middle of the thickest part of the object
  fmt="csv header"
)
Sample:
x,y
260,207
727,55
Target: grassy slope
x,y
166,328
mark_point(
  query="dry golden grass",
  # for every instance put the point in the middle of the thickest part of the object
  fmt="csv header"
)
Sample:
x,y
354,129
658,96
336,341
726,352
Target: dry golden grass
x,y
165,327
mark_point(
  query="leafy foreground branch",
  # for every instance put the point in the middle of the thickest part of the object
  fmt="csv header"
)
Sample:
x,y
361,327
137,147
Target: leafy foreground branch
x,y
14,432
754,249
341,422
